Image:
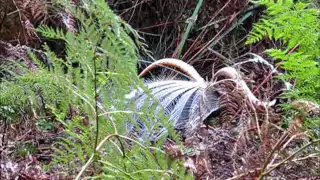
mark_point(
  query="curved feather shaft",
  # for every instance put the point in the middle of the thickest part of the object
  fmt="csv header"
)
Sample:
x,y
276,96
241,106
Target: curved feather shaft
x,y
170,62
232,73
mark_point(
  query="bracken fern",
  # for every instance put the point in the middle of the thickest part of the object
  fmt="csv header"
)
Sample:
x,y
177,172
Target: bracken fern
x,y
298,26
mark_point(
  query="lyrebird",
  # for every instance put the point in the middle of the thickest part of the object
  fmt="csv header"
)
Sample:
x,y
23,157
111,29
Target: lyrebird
x,y
188,102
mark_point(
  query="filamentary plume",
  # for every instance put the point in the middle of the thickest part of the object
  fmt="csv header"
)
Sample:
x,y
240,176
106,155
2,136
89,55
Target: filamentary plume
x,y
229,72
189,103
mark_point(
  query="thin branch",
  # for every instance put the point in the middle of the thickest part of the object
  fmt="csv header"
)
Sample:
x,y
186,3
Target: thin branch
x,y
286,159
191,21
278,144
96,99
107,138
244,174
92,156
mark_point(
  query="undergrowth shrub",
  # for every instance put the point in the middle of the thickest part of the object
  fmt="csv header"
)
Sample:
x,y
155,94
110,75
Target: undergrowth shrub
x,y
296,25
85,92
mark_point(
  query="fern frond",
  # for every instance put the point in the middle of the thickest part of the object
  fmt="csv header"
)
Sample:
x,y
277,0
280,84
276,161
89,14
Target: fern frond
x,y
296,24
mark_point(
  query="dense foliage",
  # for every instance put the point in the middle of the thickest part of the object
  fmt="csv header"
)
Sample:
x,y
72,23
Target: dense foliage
x,y
297,27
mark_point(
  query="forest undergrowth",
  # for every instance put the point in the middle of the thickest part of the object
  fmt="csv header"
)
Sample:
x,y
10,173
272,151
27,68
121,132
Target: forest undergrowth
x,y
68,69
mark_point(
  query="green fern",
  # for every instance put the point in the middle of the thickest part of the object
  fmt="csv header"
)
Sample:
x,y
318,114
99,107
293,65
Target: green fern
x,y
298,26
